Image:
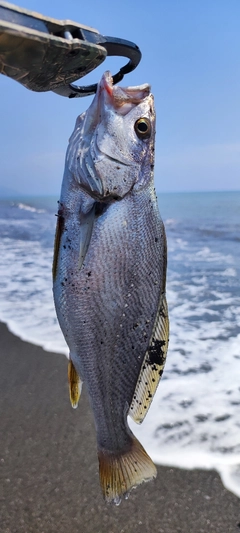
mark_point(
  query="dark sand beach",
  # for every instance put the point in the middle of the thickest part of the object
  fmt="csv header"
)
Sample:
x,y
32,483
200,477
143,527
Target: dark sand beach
x,y
49,471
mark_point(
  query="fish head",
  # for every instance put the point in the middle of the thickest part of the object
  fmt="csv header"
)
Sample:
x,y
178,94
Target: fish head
x,y
112,147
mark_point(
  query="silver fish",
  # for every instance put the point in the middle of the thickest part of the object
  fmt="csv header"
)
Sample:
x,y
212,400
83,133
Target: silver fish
x,y
109,276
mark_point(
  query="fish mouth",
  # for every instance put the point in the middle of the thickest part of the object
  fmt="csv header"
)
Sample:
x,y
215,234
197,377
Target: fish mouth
x,y
122,99
109,96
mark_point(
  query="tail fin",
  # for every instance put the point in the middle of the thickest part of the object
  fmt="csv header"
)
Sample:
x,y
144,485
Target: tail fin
x,y
120,473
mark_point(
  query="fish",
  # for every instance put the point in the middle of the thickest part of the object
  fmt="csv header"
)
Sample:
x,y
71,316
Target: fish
x,y
109,276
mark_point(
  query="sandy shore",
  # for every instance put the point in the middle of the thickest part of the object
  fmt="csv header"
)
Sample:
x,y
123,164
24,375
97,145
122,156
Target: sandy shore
x,y
49,471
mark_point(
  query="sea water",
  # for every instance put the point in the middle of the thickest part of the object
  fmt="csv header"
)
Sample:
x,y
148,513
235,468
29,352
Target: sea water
x,y
194,420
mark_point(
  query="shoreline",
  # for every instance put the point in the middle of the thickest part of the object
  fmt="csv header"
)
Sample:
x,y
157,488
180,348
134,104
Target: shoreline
x,y
49,469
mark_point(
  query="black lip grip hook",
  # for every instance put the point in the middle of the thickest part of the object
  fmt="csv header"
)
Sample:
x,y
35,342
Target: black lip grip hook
x,y
46,54
114,47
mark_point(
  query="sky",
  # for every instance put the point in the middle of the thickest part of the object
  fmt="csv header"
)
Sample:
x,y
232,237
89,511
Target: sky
x,y
190,56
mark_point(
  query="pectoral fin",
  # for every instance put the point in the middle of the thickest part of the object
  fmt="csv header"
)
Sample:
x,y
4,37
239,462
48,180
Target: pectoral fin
x,y
86,227
75,385
152,367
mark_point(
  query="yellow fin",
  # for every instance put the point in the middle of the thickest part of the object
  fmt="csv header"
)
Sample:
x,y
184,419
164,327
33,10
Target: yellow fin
x,y
75,385
152,366
120,473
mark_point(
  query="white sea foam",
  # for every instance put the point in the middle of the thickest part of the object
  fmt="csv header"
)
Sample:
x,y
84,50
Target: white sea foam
x,y
30,208
170,222
26,294
229,272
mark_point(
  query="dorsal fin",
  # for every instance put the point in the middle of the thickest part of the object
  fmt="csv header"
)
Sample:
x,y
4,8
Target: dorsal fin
x,y
152,366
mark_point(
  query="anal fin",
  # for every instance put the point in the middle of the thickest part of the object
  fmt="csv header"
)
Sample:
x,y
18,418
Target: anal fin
x,y
152,366
75,385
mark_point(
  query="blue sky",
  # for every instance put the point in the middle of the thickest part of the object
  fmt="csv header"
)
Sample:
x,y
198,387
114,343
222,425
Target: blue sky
x,y
191,58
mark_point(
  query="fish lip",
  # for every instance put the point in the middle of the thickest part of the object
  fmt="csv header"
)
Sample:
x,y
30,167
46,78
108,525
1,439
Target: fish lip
x,y
106,83
122,99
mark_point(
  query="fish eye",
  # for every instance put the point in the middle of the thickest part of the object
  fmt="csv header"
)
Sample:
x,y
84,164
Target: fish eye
x,y
143,128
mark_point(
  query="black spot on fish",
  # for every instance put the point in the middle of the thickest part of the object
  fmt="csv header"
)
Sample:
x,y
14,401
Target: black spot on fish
x,y
162,314
89,273
155,353
156,239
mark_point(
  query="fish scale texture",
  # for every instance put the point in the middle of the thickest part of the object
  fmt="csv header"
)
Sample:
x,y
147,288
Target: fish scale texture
x,y
108,307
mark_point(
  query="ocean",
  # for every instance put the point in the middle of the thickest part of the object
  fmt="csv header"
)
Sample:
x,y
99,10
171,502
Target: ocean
x,y
194,419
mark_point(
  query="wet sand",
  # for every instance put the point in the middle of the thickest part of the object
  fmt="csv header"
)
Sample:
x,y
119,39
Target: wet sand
x,y
49,471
